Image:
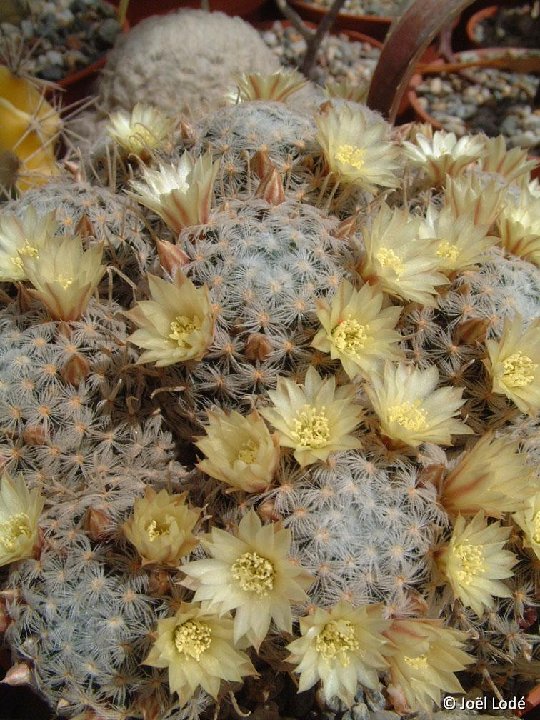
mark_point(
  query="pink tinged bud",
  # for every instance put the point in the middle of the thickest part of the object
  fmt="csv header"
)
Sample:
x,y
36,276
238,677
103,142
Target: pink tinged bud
x,y
98,524
76,370
171,257
19,674
257,347
271,188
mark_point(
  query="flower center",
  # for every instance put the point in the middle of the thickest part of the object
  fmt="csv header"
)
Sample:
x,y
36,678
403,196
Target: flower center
x,y
248,452
156,530
27,250
350,336
419,662
350,155
448,250
409,415
192,639
337,639
12,529
518,370
536,533
471,559
254,573
182,327
311,428
388,258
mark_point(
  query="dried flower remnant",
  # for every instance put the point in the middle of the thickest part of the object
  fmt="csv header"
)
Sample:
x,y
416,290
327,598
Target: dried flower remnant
x,y
443,154
474,562
398,260
240,451
412,410
142,131
357,148
514,364
423,656
197,648
181,195
357,330
528,520
493,476
161,527
342,648
315,419
19,516
64,275
176,325
21,237
250,573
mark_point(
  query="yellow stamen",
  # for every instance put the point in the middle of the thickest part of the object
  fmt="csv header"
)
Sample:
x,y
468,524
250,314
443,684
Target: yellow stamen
x,y
181,329
156,530
536,533
388,258
337,639
419,662
248,452
471,559
254,573
311,428
409,415
192,639
65,281
518,370
12,529
351,155
350,336
447,250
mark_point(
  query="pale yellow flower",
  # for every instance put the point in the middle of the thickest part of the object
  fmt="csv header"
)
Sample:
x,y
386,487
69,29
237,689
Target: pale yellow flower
x,y
423,657
20,237
180,195
160,527
398,260
251,574
315,418
145,129
357,330
519,226
410,408
475,196
197,648
493,476
460,243
443,154
277,86
19,516
514,364
357,147
474,562
346,90
511,164
342,648
240,450
176,325
64,275
529,521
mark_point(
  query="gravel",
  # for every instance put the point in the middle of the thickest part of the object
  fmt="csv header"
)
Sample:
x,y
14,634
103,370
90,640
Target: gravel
x,y
384,8
510,27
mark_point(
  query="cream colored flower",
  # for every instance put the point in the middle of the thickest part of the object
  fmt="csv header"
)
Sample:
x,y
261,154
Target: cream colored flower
x,y
251,574
443,154
474,562
410,408
240,450
459,242
140,132
519,226
474,196
180,195
197,648
176,325
276,86
514,364
529,521
346,90
19,517
20,237
315,419
398,260
64,275
493,476
357,147
423,657
356,330
511,164
160,527
342,648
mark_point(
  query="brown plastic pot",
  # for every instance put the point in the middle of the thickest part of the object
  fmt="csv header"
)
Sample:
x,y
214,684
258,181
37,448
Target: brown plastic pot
x,y
375,26
140,9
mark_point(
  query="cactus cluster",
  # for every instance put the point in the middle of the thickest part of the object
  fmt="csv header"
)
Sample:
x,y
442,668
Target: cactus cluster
x,y
275,384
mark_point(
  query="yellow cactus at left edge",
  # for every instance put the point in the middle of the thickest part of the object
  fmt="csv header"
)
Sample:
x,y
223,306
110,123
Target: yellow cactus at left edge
x,y
29,126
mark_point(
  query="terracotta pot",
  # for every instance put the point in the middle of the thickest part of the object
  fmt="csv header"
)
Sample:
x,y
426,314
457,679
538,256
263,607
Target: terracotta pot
x,y
376,26
140,9
475,20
